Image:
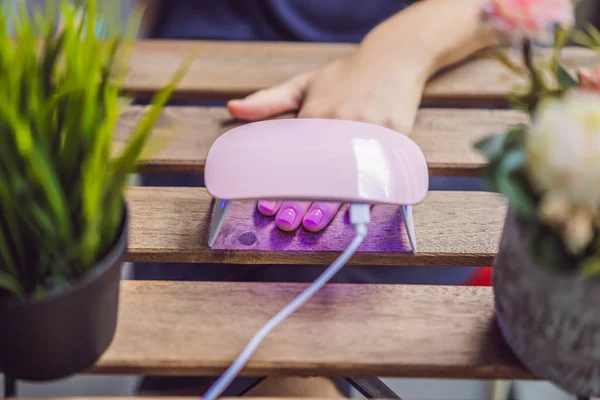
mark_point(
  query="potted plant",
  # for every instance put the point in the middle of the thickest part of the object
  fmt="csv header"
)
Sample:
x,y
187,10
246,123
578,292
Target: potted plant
x,y
63,218
546,275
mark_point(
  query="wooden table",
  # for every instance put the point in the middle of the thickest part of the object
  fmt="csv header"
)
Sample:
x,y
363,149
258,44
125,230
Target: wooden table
x,y
357,330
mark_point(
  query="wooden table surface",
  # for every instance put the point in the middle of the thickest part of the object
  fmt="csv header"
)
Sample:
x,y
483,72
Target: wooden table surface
x,y
446,136
198,328
194,328
233,69
453,228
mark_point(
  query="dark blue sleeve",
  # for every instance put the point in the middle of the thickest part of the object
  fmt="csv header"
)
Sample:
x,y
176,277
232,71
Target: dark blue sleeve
x,y
273,20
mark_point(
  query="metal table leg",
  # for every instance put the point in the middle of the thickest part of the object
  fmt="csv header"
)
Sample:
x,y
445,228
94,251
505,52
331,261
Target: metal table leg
x,y
248,386
372,388
10,387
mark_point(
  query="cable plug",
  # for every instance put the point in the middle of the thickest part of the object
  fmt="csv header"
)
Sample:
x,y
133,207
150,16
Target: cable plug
x,y
360,217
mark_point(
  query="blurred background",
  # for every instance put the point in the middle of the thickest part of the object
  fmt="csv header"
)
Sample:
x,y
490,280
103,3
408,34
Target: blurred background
x,y
589,11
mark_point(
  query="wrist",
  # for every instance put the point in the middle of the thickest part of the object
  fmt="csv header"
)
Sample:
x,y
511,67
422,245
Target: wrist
x,y
402,52
433,34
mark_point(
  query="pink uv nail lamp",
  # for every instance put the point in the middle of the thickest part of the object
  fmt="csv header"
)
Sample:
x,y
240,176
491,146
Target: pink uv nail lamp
x,y
316,159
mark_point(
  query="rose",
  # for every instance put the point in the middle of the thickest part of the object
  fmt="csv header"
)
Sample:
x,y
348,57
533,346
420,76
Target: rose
x,y
529,19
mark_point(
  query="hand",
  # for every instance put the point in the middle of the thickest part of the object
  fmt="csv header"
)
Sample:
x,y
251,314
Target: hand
x,y
371,86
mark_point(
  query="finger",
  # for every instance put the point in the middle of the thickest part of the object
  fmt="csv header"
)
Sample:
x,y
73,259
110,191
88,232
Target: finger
x,y
268,207
270,102
320,215
291,213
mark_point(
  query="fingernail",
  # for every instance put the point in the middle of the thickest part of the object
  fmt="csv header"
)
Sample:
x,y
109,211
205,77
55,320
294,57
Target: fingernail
x,y
287,216
267,207
314,218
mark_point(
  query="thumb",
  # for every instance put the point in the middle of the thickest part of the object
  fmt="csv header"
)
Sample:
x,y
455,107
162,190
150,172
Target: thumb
x,y
265,103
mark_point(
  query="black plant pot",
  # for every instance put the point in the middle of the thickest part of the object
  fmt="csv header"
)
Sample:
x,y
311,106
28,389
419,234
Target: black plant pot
x,y
65,333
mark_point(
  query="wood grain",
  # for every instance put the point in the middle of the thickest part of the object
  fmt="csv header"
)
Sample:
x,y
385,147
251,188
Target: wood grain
x,y
234,69
453,229
446,137
198,328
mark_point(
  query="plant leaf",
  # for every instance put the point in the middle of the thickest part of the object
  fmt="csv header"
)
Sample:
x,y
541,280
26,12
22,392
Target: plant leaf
x,y
518,196
590,267
61,191
11,284
548,250
589,38
594,33
565,79
512,162
582,39
492,146
510,182
503,58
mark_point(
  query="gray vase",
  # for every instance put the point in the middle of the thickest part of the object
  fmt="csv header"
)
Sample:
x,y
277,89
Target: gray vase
x,y
550,320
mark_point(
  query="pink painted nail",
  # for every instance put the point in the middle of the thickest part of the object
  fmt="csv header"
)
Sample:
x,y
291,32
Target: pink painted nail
x,y
287,216
314,218
267,207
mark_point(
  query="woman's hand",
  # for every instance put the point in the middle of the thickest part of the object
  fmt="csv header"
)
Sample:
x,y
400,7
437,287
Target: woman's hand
x,y
381,83
382,89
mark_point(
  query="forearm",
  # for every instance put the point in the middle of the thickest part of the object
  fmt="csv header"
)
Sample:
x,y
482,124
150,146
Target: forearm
x,y
432,33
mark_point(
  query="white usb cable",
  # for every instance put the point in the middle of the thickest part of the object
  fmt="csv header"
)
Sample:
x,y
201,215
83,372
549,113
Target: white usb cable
x,y
360,216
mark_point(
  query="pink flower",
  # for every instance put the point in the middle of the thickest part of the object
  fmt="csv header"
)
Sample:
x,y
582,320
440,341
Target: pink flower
x,y
533,19
589,80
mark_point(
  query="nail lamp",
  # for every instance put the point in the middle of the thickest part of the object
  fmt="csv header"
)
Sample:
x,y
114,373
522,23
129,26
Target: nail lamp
x,y
316,160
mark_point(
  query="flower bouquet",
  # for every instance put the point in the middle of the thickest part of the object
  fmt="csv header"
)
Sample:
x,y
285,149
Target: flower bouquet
x,y
547,273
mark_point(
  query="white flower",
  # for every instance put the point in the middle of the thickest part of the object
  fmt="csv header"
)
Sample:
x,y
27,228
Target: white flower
x,y
555,208
563,149
578,230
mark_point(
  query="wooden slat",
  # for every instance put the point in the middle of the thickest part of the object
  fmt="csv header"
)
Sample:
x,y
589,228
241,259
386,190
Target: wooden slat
x,y
235,69
446,137
453,228
198,328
